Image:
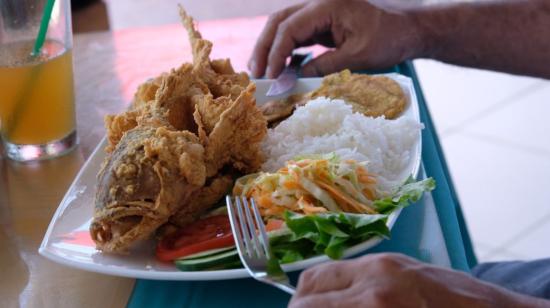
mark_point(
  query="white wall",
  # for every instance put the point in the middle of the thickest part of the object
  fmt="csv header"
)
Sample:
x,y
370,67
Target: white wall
x,y
139,13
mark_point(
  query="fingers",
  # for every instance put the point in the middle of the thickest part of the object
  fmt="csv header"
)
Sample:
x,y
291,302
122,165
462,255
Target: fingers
x,y
326,277
329,62
258,61
298,28
339,298
374,280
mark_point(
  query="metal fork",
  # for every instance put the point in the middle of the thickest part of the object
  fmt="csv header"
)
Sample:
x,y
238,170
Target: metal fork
x,y
253,248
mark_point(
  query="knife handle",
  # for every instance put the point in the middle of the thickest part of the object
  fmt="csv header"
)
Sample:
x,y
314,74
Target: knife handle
x,y
298,59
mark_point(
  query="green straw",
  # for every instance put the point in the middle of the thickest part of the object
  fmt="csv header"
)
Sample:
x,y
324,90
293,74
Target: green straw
x,y
46,16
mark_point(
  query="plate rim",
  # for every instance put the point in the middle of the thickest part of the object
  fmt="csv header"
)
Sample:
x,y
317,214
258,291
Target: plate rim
x,y
47,251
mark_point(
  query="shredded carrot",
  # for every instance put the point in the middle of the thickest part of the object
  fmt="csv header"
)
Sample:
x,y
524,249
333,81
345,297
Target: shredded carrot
x,y
294,175
309,208
324,176
314,209
302,163
364,177
358,207
322,163
283,170
291,185
273,211
265,200
297,199
369,192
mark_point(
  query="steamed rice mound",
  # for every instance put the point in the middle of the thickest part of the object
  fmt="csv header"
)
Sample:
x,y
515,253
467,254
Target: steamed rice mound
x,y
324,126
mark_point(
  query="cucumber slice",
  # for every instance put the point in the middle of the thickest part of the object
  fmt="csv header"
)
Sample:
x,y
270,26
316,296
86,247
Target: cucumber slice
x,y
207,253
218,261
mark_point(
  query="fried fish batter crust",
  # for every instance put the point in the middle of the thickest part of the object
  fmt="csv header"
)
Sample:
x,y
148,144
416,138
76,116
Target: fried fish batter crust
x,y
148,176
206,196
224,145
373,96
167,152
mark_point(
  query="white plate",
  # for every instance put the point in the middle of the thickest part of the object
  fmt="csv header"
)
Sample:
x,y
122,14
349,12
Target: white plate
x,y
68,242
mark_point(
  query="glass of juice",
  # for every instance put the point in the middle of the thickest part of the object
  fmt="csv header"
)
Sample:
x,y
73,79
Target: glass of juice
x,y
37,106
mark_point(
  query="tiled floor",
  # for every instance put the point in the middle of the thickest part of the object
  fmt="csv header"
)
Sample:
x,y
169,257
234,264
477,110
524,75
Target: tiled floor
x,y
494,129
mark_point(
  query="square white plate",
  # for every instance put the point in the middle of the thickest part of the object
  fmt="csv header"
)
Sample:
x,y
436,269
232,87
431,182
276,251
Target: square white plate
x,y
68,241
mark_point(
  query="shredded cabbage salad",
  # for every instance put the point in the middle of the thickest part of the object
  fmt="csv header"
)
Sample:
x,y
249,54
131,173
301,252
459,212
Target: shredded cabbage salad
x,y
311,185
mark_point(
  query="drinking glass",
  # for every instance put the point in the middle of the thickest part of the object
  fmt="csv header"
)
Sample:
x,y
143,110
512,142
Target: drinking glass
x,y
37,108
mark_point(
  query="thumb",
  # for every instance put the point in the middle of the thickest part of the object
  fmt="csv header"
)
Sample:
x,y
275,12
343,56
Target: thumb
x,y
329,62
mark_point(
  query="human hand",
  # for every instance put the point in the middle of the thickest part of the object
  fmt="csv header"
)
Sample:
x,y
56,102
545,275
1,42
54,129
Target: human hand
x,y
362,35
394,280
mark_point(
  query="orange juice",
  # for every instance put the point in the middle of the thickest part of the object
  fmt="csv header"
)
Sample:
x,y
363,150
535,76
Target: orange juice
x,y
36,93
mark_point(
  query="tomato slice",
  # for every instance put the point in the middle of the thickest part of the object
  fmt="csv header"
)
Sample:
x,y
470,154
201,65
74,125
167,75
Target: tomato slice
x,y
209,233
205,234
274,224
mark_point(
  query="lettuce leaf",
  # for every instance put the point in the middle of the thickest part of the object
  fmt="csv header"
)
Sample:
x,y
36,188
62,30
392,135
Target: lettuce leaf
x,y
409,192
333,233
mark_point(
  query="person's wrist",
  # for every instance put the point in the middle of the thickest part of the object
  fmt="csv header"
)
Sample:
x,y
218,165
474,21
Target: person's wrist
x,y
513,299
497,296
424,41
412,38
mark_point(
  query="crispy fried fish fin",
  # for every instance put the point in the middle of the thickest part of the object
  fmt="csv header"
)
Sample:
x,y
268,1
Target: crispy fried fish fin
x,y
209,111
201,48
227,82
228,85
142,184
141,112
203,136
117,125
223,67
218,74
145,93
173,99
237,137
202,200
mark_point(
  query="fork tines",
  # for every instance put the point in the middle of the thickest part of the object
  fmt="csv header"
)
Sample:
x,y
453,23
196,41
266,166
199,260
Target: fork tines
x,y
250,242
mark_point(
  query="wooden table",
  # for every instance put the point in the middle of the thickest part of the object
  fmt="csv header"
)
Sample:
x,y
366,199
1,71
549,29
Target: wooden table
x,y
107,67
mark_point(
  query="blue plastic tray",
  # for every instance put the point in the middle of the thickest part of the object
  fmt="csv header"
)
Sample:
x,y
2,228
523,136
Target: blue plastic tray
x,y
432,230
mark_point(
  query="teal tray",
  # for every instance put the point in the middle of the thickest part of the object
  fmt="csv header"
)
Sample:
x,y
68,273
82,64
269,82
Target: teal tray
x,y
406,237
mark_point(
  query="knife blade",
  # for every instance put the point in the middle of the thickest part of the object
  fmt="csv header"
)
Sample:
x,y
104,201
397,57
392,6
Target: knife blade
x,y
287,79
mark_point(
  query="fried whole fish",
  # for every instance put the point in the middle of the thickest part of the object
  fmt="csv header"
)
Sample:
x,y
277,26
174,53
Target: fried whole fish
x,y
172,154
151,172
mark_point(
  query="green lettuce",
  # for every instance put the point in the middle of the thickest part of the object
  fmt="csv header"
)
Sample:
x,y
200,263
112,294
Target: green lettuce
x,y
409,192
333,233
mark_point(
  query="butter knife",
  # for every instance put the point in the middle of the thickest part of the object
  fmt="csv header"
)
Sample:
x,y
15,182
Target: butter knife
x,y
287,79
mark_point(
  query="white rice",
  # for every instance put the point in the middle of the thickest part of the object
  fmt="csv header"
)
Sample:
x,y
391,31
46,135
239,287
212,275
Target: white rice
x,y
324,126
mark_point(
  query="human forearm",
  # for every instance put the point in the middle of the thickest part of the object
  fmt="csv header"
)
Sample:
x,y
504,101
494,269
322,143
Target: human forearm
x,y
506,35
509,36
527,301
393,280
